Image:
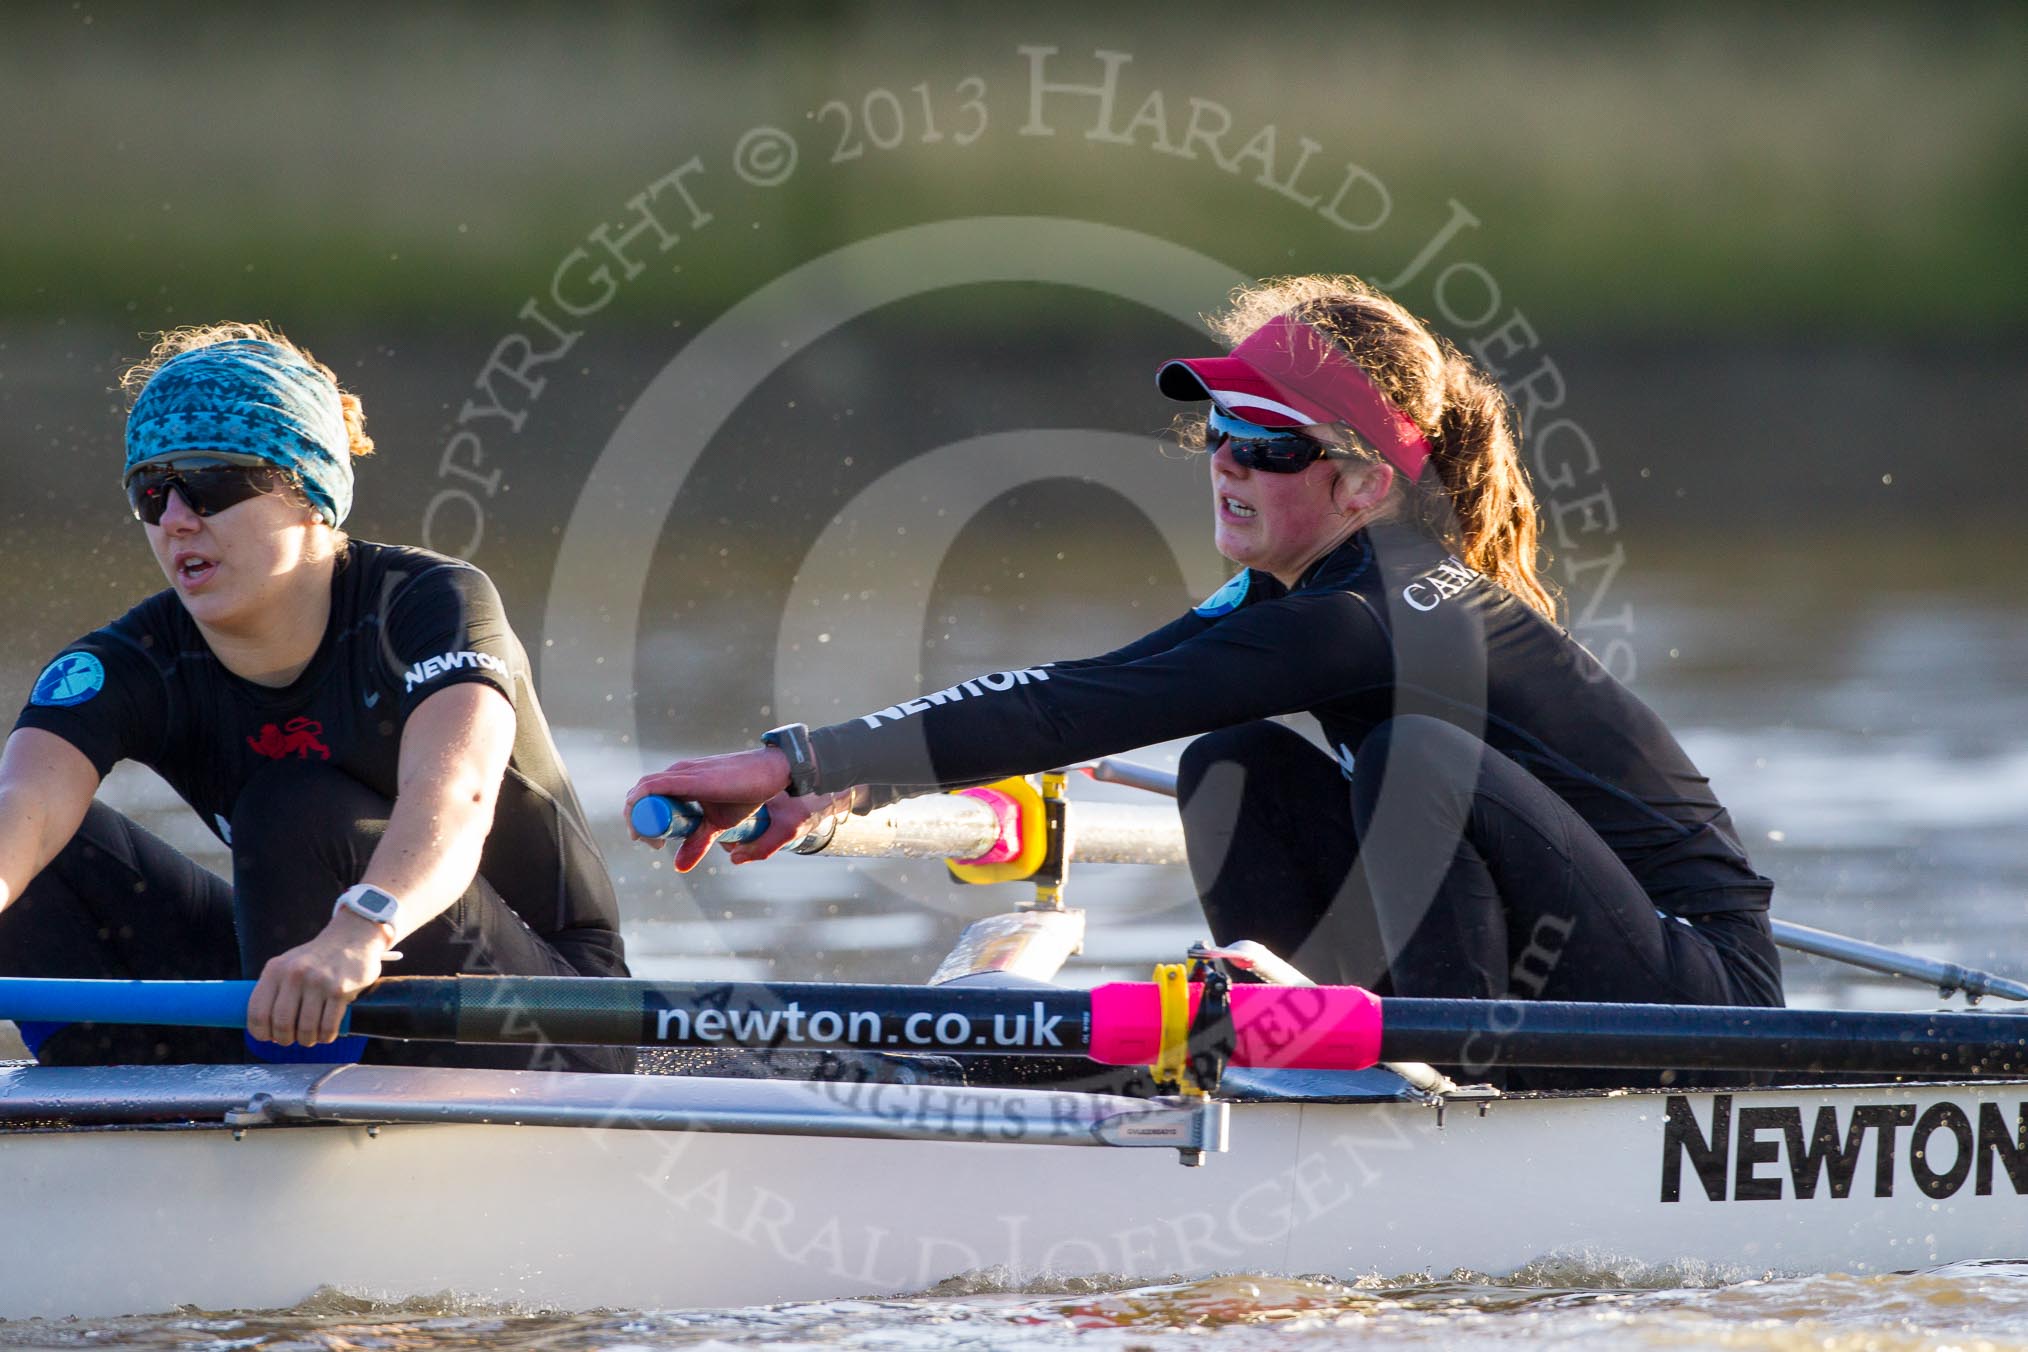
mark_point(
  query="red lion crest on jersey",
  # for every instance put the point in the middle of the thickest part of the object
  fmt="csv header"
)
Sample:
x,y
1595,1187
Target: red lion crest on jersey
x,y
300,736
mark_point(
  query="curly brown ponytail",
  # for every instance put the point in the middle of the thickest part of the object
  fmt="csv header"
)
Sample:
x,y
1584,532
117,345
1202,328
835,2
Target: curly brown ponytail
x,y
1479,502
1477,453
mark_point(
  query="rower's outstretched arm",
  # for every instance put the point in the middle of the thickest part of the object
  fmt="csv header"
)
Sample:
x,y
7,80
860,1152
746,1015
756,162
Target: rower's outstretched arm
x,y
1190,676
46,786
454,753
1256,663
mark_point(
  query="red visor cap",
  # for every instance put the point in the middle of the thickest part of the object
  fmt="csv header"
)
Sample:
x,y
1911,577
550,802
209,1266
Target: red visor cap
x,y
1287,374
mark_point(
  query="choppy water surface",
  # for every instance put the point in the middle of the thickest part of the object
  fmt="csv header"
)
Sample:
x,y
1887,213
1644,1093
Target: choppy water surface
x,y
1965,1306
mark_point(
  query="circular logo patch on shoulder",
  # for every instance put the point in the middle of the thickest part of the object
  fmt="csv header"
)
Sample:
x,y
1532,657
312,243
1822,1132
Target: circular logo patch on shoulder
x,y
1229,597
70,679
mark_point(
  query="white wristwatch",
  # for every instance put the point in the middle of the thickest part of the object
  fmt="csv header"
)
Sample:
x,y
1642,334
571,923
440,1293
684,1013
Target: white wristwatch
x,y
372,902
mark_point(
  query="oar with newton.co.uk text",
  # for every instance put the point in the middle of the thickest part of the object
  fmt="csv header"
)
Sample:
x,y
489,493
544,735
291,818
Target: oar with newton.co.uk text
x,y
1120,1023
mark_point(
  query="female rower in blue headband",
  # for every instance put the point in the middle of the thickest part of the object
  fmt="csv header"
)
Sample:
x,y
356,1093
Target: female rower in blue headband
x,y
356,721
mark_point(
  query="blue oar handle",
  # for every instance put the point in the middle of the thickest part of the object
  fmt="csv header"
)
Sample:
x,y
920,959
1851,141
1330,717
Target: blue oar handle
x,y
185,1004
659,818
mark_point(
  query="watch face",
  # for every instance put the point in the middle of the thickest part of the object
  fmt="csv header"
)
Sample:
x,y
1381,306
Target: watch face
x,y
375,903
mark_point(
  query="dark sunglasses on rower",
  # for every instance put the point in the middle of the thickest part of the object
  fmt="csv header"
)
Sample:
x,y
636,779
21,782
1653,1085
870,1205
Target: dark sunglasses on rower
x,y
1266,449
207,488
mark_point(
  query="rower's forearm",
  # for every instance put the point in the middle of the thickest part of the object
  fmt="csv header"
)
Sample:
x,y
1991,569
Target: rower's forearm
x,y
430,854
24,841
46,787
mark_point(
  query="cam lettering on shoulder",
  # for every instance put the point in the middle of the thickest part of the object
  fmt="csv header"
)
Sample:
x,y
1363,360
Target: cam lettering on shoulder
x,y
978,685
429,669
1762,1154
1439,584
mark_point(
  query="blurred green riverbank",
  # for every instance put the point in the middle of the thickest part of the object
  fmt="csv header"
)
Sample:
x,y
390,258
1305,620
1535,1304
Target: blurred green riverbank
x,y
1816,168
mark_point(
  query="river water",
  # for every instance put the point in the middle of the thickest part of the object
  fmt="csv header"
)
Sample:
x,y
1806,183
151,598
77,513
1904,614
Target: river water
x,y
1965,1306
1871,742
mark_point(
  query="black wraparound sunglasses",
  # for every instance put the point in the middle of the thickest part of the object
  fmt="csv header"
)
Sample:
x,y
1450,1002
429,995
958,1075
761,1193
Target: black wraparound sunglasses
x,y
208,486
1270,450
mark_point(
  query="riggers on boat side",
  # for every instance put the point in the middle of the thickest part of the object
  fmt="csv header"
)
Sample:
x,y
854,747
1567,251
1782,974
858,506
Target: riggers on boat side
x,y
686,1192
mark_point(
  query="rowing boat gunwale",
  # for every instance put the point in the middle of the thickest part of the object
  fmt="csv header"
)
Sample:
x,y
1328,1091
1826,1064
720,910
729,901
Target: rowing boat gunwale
x,y
89,1098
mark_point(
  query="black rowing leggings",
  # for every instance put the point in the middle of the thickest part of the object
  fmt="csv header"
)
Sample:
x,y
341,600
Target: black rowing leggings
x,y
1446,871
118,902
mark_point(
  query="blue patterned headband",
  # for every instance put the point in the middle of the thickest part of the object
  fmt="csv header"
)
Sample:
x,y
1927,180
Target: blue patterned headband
x,y
247,397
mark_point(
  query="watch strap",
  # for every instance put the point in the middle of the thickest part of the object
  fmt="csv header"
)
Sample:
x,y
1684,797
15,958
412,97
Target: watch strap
x,y
793,741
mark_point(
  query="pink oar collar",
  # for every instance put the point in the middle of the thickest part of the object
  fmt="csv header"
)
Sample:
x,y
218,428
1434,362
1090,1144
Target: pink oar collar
x,y
1315,1027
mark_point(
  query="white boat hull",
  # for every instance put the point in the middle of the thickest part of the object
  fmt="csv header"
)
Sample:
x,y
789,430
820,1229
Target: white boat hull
x,y
135,1219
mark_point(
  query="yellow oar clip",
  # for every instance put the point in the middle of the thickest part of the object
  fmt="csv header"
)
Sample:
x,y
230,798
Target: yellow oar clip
x,y
1172,985
1034,837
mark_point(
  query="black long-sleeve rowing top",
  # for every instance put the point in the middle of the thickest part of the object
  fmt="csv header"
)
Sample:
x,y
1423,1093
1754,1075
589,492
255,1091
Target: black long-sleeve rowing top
x,y
1387,624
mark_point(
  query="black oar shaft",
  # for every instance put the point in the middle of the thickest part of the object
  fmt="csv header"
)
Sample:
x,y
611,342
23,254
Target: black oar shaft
x,y
1479,1035
1122,1023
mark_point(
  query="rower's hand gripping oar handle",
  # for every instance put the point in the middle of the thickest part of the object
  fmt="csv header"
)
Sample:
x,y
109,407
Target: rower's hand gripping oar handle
x,y
660,819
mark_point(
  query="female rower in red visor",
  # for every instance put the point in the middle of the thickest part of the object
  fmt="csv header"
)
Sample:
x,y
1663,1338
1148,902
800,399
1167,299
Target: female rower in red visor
x,y
1495,815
